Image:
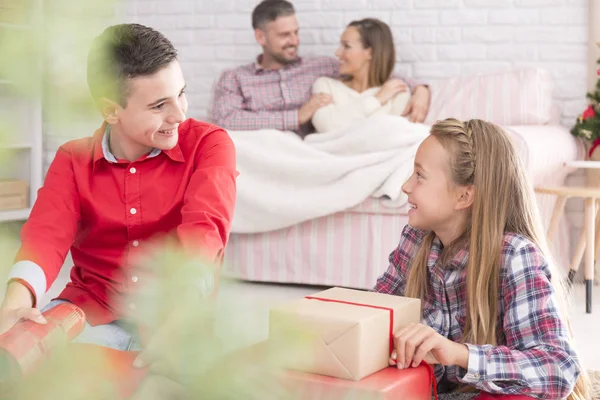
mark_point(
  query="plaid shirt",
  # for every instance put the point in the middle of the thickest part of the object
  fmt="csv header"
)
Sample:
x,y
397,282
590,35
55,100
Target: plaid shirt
x,y
534,356
251,97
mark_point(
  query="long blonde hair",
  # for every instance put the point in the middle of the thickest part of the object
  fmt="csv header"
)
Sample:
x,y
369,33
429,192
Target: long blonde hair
x,y
482,155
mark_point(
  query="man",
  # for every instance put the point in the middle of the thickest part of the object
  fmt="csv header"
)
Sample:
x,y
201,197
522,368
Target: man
x,y
147,176
275,90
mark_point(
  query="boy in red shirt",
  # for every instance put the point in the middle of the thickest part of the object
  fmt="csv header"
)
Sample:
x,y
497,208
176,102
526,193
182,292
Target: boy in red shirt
x,y
148,174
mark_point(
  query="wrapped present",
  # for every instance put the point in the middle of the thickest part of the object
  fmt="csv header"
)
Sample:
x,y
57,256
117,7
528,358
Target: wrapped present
x,y
341,333
26,345
388,384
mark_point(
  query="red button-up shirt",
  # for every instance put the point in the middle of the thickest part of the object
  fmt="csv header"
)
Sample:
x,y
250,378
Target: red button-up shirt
x,y
108,213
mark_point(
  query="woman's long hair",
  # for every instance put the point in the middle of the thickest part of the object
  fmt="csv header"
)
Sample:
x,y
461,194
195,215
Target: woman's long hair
x,y
377,36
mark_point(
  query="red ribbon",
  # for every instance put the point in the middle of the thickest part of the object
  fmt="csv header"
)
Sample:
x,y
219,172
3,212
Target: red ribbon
x,y
433,380
391,311
594,145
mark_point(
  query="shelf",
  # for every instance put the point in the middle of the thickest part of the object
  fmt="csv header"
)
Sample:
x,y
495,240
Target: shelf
x,y
583,164
14,215
21,141
15,26
14,146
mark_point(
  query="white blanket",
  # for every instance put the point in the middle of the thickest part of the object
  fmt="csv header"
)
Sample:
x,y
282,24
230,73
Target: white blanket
x,y
285,180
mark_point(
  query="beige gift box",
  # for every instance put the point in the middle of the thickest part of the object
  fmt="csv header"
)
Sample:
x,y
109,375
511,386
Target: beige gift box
x,y
339,332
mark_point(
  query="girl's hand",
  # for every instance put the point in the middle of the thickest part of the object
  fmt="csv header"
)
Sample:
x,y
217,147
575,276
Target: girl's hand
x,y
417,342
429,359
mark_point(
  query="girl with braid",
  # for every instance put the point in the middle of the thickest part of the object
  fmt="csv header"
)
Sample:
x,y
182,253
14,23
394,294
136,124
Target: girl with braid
x,y
493,310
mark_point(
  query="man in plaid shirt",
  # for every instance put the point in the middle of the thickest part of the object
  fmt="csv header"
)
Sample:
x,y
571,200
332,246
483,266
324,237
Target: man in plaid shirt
x,y
275,91
533,357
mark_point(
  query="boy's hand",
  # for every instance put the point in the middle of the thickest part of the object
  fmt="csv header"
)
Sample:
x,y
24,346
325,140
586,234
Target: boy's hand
x,y
417,342
162,355
18,306
153,356
10,317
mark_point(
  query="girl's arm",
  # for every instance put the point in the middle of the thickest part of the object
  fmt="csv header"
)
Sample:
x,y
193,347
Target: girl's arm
x,y
400,102
538,359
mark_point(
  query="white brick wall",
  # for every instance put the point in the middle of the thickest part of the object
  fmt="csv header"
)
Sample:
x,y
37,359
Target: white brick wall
x,y
435,38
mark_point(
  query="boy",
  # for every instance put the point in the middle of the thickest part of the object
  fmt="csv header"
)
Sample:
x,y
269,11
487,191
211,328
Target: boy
x,y
147,175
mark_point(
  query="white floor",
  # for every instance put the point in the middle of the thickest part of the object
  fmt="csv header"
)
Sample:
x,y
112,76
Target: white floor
x,y
245,313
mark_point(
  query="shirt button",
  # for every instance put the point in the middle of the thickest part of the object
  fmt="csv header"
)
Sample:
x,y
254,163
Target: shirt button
x,y
476,375
134,279
133,211
135,243
132,170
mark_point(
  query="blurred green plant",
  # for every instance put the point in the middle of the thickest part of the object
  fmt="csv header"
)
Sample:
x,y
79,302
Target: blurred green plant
x,y
44,47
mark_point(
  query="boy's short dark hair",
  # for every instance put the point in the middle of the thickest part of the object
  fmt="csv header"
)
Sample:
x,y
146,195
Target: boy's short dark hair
x,y
123,52
270,10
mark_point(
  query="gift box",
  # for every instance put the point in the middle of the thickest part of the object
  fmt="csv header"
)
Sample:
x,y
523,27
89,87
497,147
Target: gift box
x,y
341,333
27,345
388,384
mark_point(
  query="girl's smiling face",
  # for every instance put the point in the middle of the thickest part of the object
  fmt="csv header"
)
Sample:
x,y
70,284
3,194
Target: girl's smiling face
x,y
436,202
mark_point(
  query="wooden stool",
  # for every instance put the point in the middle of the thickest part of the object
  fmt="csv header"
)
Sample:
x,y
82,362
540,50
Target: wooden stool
x,y
588,240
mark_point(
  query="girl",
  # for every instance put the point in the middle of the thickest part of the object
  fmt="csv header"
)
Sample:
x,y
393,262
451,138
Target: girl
x,y
367,59
474,252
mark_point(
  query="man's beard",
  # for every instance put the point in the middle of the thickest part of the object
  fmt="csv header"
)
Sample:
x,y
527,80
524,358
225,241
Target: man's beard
x,y
283,60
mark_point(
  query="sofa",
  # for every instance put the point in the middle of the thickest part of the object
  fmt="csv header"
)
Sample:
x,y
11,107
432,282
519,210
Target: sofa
x,y
350,248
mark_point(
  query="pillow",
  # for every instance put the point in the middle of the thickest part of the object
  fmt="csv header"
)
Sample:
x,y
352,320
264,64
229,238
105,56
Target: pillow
x,y
516,97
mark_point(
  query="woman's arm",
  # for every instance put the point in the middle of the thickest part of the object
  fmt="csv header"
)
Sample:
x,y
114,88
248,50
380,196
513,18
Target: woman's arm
x,y
337,114
399,103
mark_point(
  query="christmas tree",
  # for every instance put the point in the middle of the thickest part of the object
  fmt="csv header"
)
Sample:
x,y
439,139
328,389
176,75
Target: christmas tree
x,y
588,123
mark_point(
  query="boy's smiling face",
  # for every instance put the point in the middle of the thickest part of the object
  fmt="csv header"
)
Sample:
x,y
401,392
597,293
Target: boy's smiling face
x,y
156,105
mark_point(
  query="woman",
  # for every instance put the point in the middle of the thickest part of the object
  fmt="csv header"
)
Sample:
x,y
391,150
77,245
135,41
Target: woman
x,y
367,59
